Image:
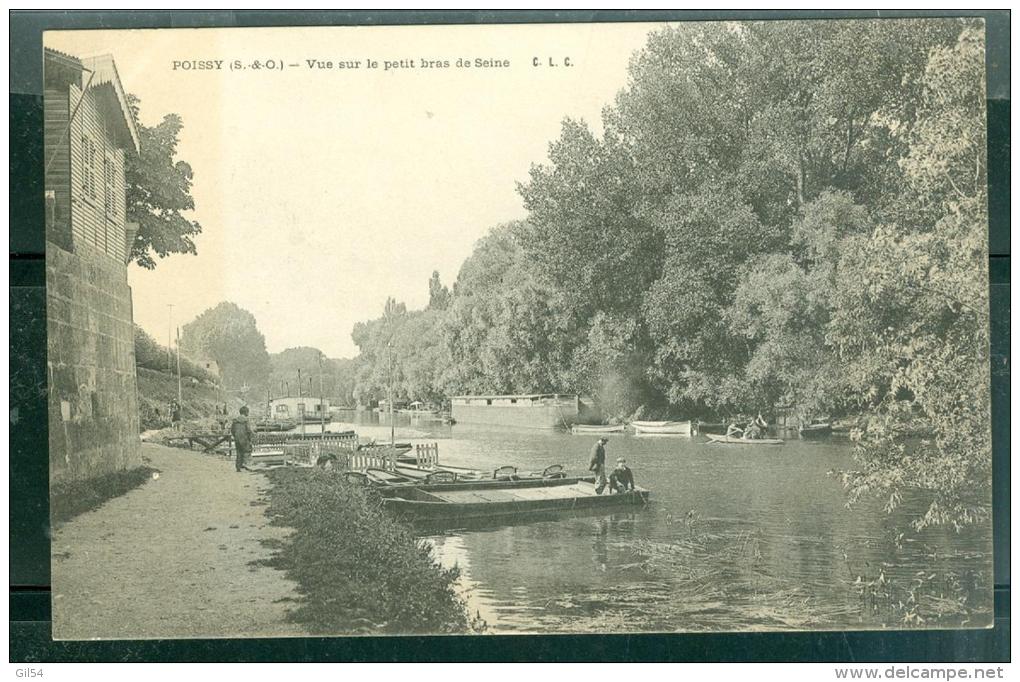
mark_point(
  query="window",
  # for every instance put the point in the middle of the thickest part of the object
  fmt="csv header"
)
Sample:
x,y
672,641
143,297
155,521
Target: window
x,y
108,181
88,170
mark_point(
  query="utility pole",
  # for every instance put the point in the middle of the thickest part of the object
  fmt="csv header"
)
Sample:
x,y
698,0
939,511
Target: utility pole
x,y
322,403
389,392
169,334
301,405
180,394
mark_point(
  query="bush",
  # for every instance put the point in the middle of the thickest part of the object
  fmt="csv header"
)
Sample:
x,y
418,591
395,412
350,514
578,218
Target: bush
x,y
360,570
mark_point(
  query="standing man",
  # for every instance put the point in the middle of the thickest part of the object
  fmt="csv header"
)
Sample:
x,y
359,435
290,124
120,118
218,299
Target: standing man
x,y
598,464
175,415
244,438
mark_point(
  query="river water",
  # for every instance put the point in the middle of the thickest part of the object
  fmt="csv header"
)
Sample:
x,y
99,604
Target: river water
x,y
734,538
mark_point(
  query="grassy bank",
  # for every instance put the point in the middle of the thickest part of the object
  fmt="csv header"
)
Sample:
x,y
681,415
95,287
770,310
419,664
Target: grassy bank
x,y
157,389
359,569
68,500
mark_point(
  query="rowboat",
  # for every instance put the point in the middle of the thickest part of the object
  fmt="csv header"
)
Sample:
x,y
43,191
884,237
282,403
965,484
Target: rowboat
x,y
665,428
509,499
597,428
463,475
816,430
730,440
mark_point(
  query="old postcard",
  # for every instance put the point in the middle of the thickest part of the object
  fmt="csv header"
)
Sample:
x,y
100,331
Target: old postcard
x,y
597,328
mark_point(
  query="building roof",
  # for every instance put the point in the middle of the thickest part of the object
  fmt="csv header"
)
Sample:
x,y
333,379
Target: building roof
x,y
104,80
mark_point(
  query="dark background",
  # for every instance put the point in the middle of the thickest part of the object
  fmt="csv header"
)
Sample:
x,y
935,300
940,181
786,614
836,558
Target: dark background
x,y
30,638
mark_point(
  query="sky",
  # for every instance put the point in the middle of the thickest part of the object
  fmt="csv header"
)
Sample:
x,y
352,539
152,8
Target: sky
x,y
321,192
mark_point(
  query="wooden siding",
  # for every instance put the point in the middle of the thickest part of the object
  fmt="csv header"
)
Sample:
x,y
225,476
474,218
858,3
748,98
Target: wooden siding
x,y
56,112
94,221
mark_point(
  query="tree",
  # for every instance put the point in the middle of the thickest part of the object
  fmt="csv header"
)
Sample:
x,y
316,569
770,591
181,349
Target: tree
x,y
911,312
229,335
439,295
507,330
159,192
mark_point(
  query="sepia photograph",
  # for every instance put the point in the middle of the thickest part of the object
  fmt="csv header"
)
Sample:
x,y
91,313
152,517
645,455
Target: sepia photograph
x,y
493,329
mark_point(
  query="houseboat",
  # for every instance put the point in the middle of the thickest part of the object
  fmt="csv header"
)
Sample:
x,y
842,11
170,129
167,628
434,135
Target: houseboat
x,y
308,409
536,411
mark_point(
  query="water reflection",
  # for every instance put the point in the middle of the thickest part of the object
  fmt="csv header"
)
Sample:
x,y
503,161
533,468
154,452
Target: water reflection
x,y
733,538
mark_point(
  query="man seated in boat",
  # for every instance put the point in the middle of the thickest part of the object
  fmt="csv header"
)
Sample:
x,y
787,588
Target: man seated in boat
x,y
734,431
622,478
756,429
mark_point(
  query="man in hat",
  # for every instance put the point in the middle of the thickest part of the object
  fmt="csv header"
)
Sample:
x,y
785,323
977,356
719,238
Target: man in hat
x,y
597,464
244,438
622,478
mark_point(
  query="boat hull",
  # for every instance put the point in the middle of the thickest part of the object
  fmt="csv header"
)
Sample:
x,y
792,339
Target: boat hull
x,y
597,428
663,428
727,440
398,489
486,502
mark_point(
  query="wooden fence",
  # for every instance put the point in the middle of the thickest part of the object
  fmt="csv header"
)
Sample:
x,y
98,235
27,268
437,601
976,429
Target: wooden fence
x,y
426,455
340,453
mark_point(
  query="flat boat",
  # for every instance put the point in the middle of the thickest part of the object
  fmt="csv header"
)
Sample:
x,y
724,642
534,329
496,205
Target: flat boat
x,y
505,498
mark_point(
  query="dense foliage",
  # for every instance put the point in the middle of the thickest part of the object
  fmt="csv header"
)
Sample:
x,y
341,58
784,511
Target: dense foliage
x,y
159,192
150,355
776,216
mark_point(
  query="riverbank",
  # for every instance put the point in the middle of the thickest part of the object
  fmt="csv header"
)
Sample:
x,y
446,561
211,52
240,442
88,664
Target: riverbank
x,y
359,569
184,555
157,389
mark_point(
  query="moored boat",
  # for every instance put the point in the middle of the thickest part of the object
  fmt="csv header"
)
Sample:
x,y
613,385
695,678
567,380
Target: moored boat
x,y
597,428
391,487
506,498
816,430
730,440
671,428
377,446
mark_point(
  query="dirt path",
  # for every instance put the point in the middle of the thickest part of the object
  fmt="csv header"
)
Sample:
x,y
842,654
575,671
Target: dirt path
x,y
172,558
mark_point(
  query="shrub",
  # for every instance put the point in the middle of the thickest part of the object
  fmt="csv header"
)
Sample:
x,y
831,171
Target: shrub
x,y
359,568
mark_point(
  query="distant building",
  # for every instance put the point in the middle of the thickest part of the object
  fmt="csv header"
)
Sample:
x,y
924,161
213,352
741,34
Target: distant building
x,y
293,408
210,366
89,131
538,410
384,405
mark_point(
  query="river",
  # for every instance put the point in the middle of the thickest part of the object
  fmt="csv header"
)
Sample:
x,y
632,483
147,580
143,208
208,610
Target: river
x,y
734,538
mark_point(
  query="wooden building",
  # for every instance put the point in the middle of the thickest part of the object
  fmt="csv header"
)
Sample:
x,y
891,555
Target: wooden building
x,y
89,128
313,408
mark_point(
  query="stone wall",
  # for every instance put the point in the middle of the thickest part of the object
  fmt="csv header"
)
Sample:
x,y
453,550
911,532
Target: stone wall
x,y
93,404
